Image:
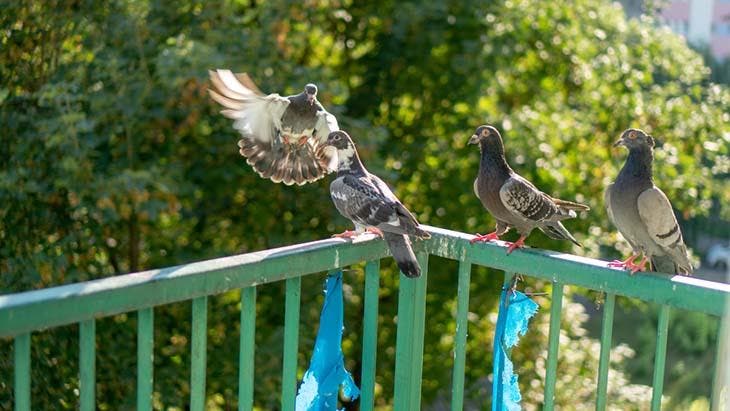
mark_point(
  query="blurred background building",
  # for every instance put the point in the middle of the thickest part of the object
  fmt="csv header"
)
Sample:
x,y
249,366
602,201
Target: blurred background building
x,y
701,22
704,23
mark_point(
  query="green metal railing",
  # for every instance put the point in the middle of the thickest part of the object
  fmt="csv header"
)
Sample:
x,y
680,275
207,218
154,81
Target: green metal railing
x,y
24,313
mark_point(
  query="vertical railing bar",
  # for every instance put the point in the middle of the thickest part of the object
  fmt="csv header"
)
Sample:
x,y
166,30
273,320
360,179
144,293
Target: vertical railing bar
x,y
246,349
198,355
660,358
605,356
87,365
370,334
419,327
291,343
409,338
21,352
145,358
721,377
462,324
553,340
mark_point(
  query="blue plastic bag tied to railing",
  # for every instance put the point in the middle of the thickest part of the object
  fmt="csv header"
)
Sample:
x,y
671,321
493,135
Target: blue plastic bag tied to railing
x,y
515,312
326,374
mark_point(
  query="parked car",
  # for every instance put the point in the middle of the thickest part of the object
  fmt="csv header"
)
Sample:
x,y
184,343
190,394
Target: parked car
x,y
718,256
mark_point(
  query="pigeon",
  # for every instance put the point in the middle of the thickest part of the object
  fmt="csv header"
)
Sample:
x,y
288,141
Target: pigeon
x,y
642,212
283,137
367,201
512,200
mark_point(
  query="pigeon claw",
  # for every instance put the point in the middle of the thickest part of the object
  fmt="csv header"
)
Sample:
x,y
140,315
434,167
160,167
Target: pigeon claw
x,y
374,230
346,234
517,244
623,264
484,238
628,264
641,266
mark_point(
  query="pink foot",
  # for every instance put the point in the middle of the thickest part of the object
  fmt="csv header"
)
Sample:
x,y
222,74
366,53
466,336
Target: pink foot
x,y
517,244
345,234
641,266
623,264
374,230
484,238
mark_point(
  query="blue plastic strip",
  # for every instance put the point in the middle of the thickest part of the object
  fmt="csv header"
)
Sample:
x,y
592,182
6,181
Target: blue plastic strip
x,y
321,383
514,315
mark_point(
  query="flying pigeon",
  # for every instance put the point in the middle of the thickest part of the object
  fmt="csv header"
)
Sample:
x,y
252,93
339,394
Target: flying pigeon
x,y
642,213
514,201
283,137
368,202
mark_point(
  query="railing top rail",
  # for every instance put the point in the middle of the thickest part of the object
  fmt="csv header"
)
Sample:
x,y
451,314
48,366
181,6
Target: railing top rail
x,y
34,310
683,292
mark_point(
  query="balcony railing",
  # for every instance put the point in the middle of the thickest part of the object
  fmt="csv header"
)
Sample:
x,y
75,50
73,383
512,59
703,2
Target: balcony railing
x,y
83,303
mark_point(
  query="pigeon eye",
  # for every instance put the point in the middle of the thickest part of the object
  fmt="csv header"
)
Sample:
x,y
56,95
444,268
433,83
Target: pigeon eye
x,y
632,135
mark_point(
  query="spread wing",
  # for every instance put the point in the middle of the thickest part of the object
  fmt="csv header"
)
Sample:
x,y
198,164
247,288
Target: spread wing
x,y
326,123
524,200
256,115
656,213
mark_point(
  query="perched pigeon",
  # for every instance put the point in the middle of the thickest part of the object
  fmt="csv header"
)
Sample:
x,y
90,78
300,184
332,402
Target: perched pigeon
x,y
642,212
283,137
514,201
368,202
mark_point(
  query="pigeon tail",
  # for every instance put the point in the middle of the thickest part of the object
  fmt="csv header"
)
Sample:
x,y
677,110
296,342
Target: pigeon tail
x,y
421,234
297,166
569,205
400,248
557,231
665,264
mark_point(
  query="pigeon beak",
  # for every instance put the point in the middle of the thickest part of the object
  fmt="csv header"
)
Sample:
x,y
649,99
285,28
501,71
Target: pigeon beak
x,y
474,139
619,143
310,99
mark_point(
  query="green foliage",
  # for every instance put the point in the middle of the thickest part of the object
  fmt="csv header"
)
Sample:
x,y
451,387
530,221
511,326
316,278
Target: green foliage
x,y
113,158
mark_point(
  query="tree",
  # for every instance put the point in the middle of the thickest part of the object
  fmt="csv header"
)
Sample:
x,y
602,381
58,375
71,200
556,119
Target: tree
x,y
114,159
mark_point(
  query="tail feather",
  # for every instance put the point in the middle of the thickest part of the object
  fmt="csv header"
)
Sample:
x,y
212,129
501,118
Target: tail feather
x,y
400,248
569,205
557,231
281,164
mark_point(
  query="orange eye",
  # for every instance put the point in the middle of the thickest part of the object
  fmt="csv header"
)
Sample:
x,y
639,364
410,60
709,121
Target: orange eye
x,y
632,135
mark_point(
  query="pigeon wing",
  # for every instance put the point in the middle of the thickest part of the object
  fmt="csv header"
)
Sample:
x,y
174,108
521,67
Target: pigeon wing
x,y
360,201
656,213
524,200
326,123
256,115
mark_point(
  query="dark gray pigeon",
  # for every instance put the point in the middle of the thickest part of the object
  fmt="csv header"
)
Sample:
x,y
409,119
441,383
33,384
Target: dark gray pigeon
x,y
368,202
283,137
642,213
514,201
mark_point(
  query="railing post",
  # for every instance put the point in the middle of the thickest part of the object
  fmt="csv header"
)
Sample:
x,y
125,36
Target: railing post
x,y
87,364
21,352
660,358
409,339
198,355
370,334
605,356
721,379
553,339
246,349
462,312
291,344
145,358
